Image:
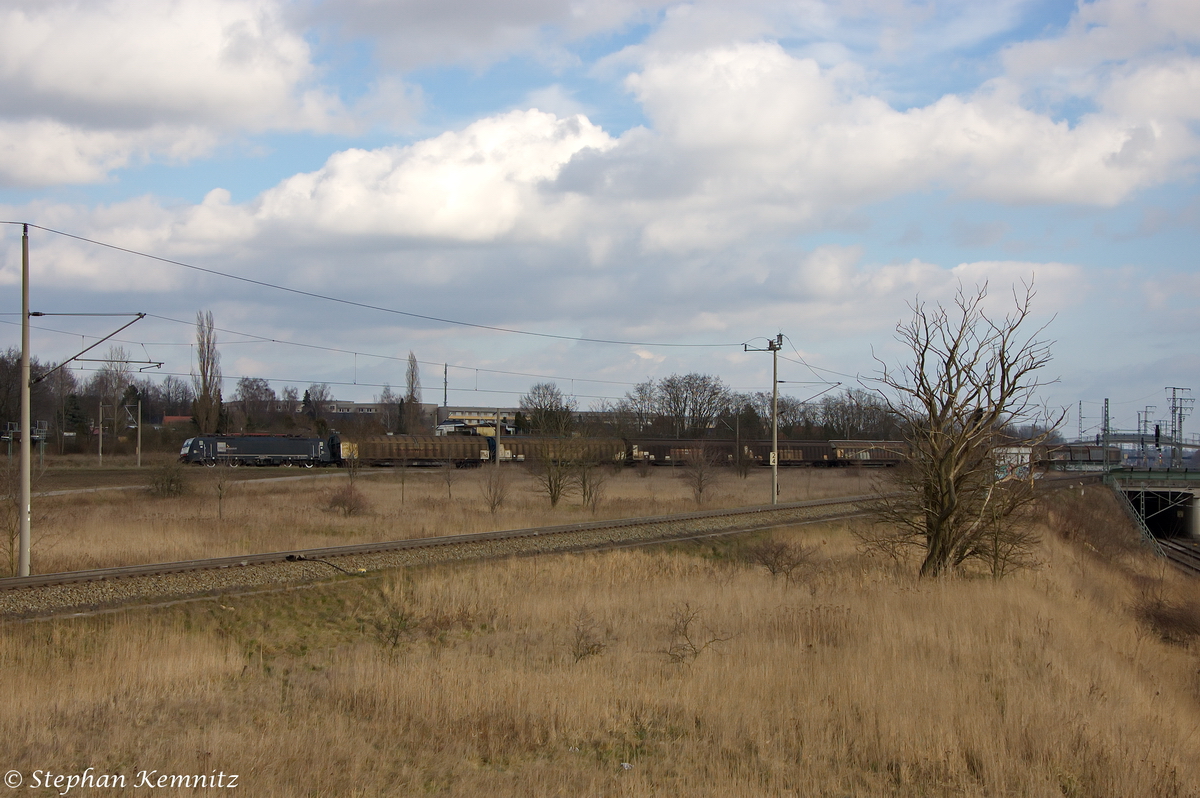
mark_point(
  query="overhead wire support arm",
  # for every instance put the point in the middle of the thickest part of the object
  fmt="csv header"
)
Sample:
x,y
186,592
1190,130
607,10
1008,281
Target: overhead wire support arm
x,y
73,358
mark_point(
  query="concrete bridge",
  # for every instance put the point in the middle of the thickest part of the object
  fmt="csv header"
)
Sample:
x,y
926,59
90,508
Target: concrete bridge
x,y
1165,500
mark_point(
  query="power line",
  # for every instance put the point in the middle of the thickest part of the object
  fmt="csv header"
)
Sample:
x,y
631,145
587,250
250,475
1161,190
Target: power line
x,y
364,305
252,338
229,377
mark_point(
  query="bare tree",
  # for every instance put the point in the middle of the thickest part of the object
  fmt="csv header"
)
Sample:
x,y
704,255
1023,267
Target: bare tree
x,y
547,410
856,414
177,396
412,396
111,381
257,400
971,377
317,399
206,379
637,411
389,406
289,400
691,402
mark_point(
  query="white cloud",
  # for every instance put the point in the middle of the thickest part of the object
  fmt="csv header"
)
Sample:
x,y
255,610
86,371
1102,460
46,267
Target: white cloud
x,y
48,152
132,63
475,185
1104,32
95,86
768,139
418,33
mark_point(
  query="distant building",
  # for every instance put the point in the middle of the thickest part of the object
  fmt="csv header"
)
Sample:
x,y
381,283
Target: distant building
x,y
477,416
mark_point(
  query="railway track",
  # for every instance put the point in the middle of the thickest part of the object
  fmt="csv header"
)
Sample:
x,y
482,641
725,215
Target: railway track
x,y
1183,553
81,592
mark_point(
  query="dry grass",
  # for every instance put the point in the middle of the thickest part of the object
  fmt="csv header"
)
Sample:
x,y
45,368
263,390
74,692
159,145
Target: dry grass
x,y
221,513
545,677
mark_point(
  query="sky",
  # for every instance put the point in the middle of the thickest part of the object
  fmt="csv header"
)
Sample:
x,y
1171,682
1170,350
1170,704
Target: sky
x,y
342,182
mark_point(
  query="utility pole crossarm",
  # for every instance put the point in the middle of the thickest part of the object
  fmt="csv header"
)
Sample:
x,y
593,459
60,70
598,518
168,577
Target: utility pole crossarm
x,y
73,358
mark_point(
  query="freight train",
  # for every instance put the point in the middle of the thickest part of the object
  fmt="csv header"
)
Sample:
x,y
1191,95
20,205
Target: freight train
x,y
470,450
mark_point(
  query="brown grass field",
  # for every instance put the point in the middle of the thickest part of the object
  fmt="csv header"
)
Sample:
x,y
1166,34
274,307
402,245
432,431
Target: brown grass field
x,y
676,670
227,512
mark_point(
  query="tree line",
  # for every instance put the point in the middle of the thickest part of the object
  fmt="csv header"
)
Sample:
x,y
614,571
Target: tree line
x,y
701,405
76,405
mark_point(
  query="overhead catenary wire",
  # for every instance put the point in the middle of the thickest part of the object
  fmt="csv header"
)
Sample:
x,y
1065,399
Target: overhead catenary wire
x,y
348,383
366,305
252,338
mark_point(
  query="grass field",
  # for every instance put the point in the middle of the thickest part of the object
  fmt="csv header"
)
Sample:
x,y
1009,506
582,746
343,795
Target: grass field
x,y
228,511
678,670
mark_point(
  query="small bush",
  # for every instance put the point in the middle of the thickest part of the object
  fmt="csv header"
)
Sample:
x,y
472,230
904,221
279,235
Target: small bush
x,y
348,500
1174,622
686,640
585,636
780,557
494,488
167,480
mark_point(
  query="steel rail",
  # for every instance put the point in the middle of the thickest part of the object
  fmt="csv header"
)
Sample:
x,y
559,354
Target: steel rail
x,y
329,552
1184,556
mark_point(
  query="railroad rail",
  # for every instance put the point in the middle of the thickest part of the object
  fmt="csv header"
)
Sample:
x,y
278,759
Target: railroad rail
x,y
75,592
1185,554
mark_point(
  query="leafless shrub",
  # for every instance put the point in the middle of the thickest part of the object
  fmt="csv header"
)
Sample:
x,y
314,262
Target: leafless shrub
x,y
742,464
586,640
552,473
642,469
222,484
590,479
394,620
494,488
780,557
348,500
351,463
700,473
686,640
167,480
396,616
450,475
1173,621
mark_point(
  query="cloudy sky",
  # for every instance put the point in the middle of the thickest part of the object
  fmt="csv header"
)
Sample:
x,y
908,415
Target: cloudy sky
x,y
700,174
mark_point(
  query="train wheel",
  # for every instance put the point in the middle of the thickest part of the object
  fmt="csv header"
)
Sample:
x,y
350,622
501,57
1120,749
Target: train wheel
x,y
286,464
308,464
210,463
234,463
